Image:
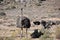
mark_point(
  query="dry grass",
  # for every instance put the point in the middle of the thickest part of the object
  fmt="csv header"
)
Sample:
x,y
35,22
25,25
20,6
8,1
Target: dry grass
x,y
47,35
58,32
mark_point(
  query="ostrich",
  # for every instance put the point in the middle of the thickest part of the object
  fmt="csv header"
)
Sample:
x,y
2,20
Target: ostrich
x,y
36,34
36,23
57,22
51,23
23,22
47,24
44,24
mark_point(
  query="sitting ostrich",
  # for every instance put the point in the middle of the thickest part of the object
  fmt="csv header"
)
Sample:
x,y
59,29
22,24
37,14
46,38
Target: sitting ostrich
x,y
36,34
23,22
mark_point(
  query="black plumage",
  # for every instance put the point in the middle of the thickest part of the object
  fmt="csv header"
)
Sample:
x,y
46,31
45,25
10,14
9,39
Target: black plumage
x,y
25,23
1,0
36,34
53,23
43,0
44,23
47,24
36,22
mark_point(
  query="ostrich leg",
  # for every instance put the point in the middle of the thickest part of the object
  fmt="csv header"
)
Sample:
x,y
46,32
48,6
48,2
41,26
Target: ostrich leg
x,y
21,32
26,32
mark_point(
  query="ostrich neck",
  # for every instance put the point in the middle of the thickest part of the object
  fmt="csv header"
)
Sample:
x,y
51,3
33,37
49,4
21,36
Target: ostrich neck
x,y
21,16
21,12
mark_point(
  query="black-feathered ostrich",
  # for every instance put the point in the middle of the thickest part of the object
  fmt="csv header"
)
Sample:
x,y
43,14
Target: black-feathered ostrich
x,y
44,23
36,34
36,23
47,24
23,22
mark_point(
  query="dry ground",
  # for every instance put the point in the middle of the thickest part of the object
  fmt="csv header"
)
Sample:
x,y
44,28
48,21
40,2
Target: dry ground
x,y
48,11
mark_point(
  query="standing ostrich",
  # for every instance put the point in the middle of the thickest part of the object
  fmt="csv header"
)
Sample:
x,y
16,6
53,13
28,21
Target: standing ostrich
x,y
47,24
23,22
